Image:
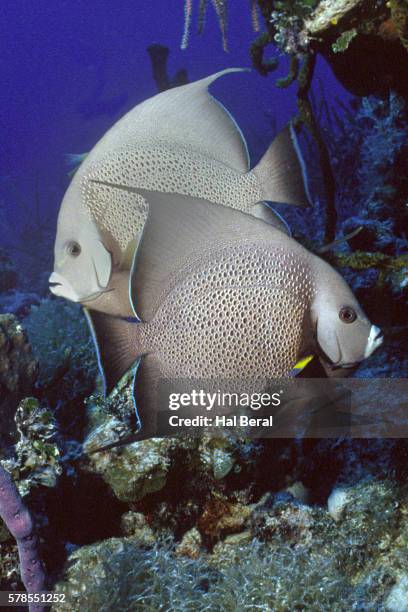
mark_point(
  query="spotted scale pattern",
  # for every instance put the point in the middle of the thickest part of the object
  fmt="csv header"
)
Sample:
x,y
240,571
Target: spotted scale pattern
x,y
236,313
162,167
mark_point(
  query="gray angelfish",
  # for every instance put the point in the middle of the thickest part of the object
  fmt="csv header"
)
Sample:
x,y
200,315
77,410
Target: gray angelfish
x,y
180,141
218,294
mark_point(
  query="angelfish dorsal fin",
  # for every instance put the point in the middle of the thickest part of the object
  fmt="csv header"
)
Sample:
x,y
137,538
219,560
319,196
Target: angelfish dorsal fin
x,y
186,116
117,346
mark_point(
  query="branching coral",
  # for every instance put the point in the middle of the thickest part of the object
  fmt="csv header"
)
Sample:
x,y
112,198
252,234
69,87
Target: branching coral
x,y
20,524
220,7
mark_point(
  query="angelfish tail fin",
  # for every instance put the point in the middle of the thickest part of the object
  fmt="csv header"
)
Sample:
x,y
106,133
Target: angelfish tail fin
x,y
281,172
117,343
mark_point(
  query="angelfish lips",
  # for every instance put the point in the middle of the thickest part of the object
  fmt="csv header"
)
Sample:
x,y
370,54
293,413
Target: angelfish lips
x,y
375,339
56,284
60,287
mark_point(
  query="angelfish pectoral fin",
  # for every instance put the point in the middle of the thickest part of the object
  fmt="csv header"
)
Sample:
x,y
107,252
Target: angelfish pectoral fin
x,y
117,345
102,262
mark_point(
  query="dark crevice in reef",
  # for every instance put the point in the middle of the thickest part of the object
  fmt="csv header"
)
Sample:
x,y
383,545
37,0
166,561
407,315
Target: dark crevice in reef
x,y
80,511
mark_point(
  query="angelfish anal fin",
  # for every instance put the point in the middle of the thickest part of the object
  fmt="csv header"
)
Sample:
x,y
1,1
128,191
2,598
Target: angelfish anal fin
x,y
146,396
116,343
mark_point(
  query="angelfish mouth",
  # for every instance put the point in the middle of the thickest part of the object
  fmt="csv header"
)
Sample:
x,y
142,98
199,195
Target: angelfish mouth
x,y
54,281
55,288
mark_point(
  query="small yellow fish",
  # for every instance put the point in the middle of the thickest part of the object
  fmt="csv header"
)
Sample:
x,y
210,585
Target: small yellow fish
x,y
300,365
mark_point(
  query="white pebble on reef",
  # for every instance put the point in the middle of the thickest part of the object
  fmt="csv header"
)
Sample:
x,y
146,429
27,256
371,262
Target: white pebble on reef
x,y
397,600
337,502
299,492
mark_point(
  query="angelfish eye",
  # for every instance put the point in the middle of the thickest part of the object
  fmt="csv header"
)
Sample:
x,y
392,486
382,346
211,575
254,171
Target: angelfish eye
x,y
74,249
347,314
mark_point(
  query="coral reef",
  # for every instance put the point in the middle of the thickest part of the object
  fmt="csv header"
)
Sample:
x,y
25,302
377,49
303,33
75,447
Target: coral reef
x,y
257,578
33,463
366,140
329,14
200,522
349,32
36,455
370,36
393,269
326,525
64,358
399,19
287,19
225,523
18,371
290,556
139,469
17,302
369,157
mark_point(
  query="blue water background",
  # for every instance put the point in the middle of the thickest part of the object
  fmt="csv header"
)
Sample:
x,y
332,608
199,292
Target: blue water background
x,y
70,69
